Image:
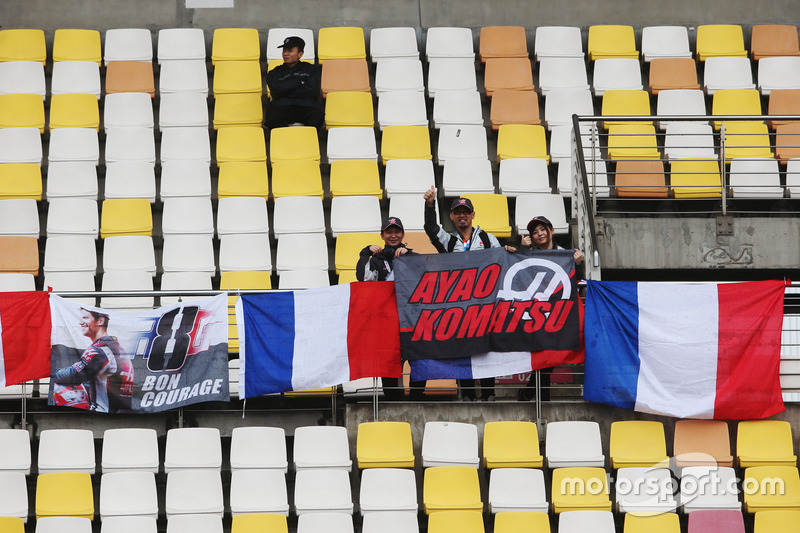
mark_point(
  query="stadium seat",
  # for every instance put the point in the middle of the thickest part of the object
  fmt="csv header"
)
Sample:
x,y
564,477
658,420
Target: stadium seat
x,y
19,217
511,445
451,74
275,37
749,140
257,522
303,279
16,281
346,75
632,141
720,40
246,143
580,489
301,251
128,494
77,45
240,178
523,176
513,73
237,77
20,145
450,443
491,213
660,523
258,491
130,179
181,44
189,76
405,142
235,44
459,108
517,489
13,495
129,524
562,74
127,280
195,523
298,214
398,74
122,110
75,77
465,176
624,103
519,522
560,105
558,41
192,449
561,142
242,215
348,247
521,141
20,255
787,146
396,521
616,73
128,44
22,111
764,443
461,142
188,253
463,521
384,444
640,179
679,102
402,108
341,43
124,144
349,108
64,494
503,41
449,42
258,447
695,178
355,214
668,73
22,77
193,491
128,216
301,177
577,521
13,524
689,140
665,42
702,443
354,177
637,443
611,41
645,490
727,73
130,77
451,488
755,178
332,522
129,252
716,521
72,180
514,107
351,143
240,109
130,449
22,45
388,490
289,144
408,176
775,520
390,43
245,252
321,447
697,494
549,205
322,491
72,216
70,253
793,177
773,40
776,73
193,144
411,210
185,178
184,281
20,180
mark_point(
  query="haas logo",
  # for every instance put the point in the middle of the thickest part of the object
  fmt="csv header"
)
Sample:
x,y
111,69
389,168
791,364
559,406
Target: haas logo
x,y
549,277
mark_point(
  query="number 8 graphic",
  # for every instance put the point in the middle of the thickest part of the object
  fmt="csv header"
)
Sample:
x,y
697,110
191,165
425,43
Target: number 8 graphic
x,y
172,342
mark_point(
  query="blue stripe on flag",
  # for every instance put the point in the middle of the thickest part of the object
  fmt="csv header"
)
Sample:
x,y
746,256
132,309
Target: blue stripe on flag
x,y
424,369
612,343
270,342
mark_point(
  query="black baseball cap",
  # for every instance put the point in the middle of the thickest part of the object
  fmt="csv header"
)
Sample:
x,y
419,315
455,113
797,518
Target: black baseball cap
x,y
462,202
535,221
294,42
392,221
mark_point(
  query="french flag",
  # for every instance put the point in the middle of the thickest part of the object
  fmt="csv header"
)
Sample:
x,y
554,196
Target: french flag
x,y
300,340
692,350
24,337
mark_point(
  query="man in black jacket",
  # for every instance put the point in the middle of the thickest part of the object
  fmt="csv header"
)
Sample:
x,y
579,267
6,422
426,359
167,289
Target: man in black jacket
x,y
294,88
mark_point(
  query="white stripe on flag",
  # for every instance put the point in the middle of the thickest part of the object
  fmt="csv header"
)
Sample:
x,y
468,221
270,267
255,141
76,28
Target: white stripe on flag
x,y
491,364
677,380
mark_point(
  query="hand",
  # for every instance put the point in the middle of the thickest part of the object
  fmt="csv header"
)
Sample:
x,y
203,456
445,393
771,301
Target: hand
x,y
510,249
375,249
400,251
430,196
526,240
578,257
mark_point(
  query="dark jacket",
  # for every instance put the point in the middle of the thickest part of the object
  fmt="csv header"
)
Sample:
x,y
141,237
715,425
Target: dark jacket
x,y
299,85
377,267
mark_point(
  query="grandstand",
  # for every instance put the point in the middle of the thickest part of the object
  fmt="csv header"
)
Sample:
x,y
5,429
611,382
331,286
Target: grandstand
x,y
134,172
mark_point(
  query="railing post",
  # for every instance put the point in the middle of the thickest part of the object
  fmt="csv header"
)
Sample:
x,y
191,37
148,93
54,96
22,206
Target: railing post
x,y
724,190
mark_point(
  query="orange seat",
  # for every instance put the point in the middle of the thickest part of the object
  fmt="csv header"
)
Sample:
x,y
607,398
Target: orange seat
x,y
772,40
130,77
641,179
787,142
673,73
419,242
345,75
702,443
508,73
783,102
503,41
514,107
20,254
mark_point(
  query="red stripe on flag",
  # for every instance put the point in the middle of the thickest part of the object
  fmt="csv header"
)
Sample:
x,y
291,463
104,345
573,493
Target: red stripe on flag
x,y
373,331
748,367
25,317
550,358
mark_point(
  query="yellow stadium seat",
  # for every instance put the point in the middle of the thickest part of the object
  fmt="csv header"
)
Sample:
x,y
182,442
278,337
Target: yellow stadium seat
x,y
637,443
451,488
12,524
22,45
349,108
237,77
302,177
580,489
514,107
774,40
735,102
77,45
341,43
632,141
20,180
243,178
235,44
406,142
611,41
245,143
513,73
64,494
702,442
384,445
238,109
355,177
291,144
521,141
697,178
776,520
510,444
747,139
21,111
245,280
74,111
491,213
461,521
624,103
347,276
503,41
259,523
660,523
130,77
769,488
345,75
348,246
521,522
719,40
126,216
765,443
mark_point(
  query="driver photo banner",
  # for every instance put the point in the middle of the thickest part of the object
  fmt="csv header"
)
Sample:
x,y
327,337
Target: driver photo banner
x,y
462,304
116,362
